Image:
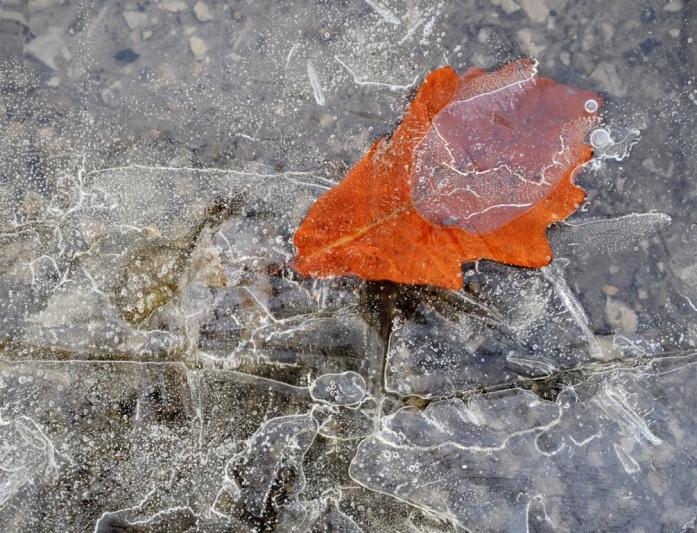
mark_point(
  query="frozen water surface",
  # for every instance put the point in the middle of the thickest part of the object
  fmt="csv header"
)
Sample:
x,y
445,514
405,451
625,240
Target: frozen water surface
x,y
509,461
163,368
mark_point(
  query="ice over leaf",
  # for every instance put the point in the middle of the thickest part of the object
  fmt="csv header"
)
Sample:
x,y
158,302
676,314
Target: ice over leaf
x,y
506,141
480,166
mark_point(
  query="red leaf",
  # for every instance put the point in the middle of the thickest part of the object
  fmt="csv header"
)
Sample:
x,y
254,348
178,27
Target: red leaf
x,y
480,166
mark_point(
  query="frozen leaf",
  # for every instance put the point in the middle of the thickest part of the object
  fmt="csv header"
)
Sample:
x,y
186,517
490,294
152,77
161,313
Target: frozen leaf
x,y
504,143
478,168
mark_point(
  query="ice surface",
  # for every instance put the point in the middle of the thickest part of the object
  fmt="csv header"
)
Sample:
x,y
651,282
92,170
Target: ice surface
x,y
347,388
26,454
606,236
508,461
163,368
274,454
495,335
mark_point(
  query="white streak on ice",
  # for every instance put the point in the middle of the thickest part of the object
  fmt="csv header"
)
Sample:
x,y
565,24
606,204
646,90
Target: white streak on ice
x,y
317,91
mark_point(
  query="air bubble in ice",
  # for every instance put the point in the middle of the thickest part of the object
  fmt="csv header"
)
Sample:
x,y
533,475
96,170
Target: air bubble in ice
x,y
591,106
600,137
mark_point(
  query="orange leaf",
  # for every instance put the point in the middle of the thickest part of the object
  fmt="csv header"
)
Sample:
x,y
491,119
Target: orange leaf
x,y
480,166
